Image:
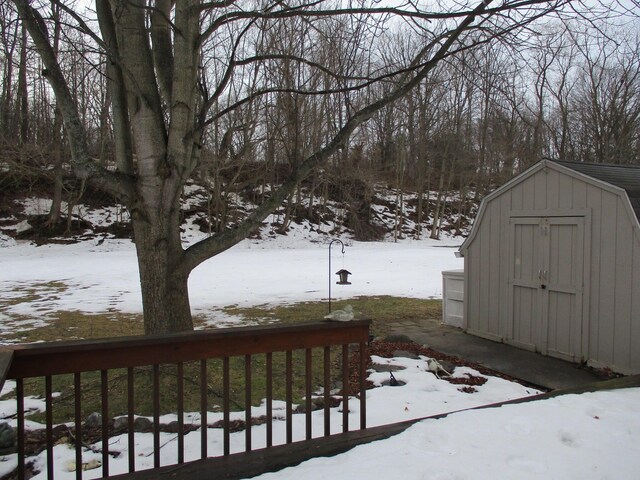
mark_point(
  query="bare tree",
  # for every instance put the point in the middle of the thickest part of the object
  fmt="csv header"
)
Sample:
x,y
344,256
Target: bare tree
x,y
609,101
9,35
559,53
175,70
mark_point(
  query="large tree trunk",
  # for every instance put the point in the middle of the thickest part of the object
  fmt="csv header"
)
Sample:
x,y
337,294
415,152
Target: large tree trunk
x,y
164,158
163,278
23,94
58,186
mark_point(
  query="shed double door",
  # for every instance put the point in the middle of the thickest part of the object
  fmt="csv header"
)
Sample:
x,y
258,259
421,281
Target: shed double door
x,y
546,285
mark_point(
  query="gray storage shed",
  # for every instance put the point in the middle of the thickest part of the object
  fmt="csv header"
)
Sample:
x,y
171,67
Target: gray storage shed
x,y
552,264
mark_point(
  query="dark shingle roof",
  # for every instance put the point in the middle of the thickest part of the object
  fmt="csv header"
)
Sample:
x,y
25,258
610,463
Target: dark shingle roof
x,y
626,177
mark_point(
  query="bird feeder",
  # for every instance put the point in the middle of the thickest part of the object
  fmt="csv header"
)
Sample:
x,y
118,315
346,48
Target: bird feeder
x,y
343,274
344,277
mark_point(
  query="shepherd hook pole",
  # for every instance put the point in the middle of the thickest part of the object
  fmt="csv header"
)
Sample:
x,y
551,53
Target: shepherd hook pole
x,y
331,243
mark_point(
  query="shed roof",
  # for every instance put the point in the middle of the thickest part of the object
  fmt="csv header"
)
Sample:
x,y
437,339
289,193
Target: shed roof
x,y
626,177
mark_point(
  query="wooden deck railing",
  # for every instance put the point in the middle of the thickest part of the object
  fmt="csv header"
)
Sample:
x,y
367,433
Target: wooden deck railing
x,y
194,359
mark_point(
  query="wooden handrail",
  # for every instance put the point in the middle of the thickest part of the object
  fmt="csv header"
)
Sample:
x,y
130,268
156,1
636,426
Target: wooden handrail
x,y
41,359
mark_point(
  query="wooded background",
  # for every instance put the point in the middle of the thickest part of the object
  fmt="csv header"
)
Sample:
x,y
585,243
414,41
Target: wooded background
x,y
571,92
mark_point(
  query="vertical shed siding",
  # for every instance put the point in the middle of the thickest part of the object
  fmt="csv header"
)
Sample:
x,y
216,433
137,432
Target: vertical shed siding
x,y
515,194
553,189
634,327
593,198
503,267
484,300
578,193
602,334
613,265
486,246
495,287
528,193
472,297
540,191
565,188
622,292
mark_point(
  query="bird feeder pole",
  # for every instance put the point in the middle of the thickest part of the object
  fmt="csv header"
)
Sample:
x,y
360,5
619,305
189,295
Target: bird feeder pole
x,y
331,243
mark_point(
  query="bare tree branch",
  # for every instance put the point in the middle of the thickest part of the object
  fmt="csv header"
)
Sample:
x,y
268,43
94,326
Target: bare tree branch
x,y
119,185
218,243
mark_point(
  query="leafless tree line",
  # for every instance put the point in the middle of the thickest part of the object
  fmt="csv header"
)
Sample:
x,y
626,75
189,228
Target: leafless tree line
x,y
301,101
478,118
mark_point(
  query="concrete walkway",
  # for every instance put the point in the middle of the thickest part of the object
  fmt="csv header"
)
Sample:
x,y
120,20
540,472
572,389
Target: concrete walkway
x,y
549,373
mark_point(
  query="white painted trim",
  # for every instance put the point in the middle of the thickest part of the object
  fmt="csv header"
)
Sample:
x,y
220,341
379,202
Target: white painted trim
x,y
550,212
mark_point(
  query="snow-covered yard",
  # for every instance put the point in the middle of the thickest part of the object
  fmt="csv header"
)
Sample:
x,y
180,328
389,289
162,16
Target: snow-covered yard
x,y
98,278
589,436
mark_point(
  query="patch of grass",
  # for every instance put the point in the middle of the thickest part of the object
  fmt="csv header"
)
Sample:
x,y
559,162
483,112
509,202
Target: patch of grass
x,y
33,292
382,310
112,324
72,325
30,293
59,325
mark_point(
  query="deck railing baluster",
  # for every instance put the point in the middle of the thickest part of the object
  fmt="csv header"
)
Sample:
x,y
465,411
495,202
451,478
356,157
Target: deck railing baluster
x,y
363,385
49,424
156,414
21,431
104,388
203,409
345,388
247,403
307,392
289,395
131,420
180,394
77,392
226,407
327,390
269,396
